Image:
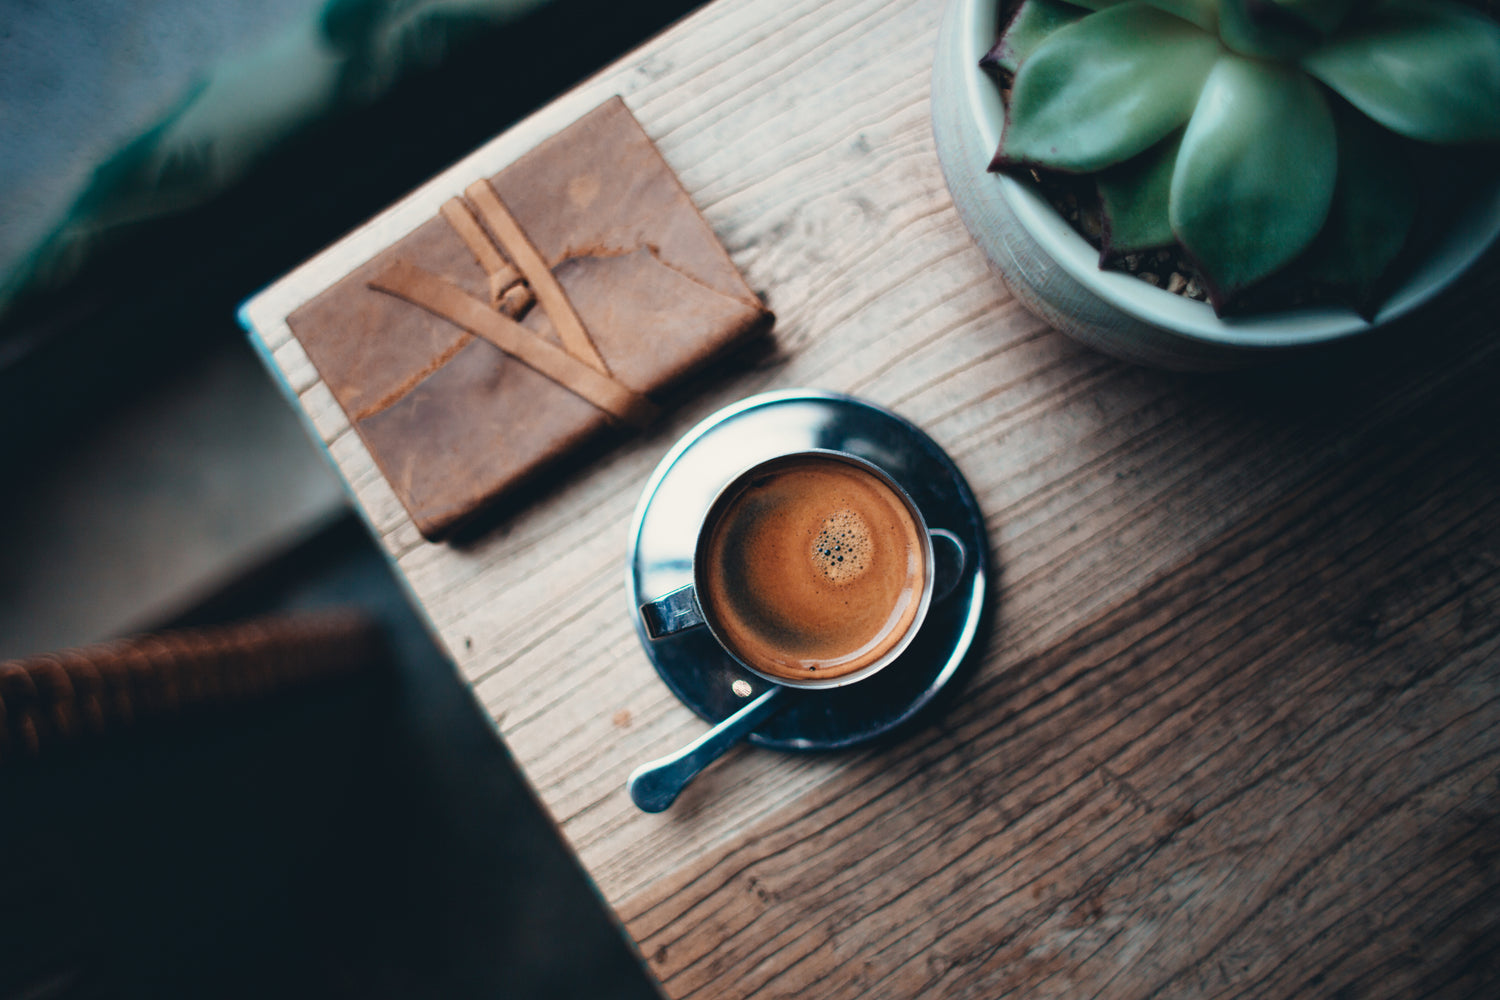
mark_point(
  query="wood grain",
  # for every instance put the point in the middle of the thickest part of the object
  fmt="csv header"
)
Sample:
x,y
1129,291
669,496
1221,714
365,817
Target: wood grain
x,y
1270,772
1235,730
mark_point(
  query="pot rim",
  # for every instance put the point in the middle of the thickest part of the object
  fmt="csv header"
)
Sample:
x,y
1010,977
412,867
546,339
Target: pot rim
x,y
1471,235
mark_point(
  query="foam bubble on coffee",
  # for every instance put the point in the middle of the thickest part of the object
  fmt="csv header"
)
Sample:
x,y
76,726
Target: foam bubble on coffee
x,y
843,547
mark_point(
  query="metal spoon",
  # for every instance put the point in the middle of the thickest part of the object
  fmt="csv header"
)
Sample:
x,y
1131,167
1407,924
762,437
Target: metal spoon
x,y
655,786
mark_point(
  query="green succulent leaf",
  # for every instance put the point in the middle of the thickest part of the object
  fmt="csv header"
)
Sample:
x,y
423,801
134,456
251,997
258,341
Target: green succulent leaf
x,y
1428,70
1255,173
1324,15
1135,196
1033,21
1203,13
1097,92
1373,210
1263,30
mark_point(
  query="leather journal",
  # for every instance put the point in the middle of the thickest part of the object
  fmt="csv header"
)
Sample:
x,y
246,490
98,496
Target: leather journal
x,y
548,303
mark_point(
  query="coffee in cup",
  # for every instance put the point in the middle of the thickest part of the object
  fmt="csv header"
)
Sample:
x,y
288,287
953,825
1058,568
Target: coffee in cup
x,y
813,567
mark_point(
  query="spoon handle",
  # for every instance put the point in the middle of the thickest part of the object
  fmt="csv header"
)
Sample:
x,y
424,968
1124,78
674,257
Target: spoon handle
x,y
654,786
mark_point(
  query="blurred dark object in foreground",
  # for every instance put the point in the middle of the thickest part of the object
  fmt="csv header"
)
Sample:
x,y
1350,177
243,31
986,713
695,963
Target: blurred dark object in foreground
x,y
71,698
358,835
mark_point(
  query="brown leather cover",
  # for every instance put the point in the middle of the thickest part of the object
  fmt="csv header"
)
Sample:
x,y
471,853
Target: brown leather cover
x,y
451,419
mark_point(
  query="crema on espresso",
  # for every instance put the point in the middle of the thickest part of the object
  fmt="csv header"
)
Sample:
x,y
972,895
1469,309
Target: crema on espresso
x,y
813,568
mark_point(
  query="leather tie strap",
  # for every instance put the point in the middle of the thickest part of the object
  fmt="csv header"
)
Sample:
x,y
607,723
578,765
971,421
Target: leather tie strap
x,y
500,273
443,298
539,276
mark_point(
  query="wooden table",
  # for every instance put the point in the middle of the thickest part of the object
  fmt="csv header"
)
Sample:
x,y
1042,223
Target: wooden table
x,y
1235,730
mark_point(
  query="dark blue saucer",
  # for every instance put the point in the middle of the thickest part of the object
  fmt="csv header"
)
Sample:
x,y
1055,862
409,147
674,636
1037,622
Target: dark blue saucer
x,y
662,537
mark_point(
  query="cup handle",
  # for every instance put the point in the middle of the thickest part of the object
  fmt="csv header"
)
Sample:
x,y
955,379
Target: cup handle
x,y
949,559
672,613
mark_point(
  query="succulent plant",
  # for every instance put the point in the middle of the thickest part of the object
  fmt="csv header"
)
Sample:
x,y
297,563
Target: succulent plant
x,y
1250,133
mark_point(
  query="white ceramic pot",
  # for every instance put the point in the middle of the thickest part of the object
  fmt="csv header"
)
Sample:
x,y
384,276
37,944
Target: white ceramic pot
x,y
1055,272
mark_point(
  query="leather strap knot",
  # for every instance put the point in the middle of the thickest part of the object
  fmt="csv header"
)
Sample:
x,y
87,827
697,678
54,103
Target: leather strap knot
x,y
577,366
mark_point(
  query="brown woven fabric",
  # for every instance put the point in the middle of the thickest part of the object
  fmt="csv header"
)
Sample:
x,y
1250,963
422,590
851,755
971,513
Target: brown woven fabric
x,y
61,697
575,284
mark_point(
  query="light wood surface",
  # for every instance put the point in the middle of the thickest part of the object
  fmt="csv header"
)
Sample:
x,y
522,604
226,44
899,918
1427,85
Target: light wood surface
x,y
1235,730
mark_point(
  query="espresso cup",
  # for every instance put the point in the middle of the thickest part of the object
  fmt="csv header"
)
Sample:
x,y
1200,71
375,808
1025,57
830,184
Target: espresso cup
x,y
812,570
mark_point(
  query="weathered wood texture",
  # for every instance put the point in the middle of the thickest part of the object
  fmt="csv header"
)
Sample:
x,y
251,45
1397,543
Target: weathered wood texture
x,y
1236,729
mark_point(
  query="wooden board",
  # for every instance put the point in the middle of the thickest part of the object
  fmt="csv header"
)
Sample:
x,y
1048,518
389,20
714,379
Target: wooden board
x,y
1235,730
